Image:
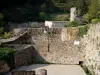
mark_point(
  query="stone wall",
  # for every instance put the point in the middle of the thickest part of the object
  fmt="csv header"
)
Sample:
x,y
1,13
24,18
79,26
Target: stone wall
x,y
25,25
58,46
69,34
26,55
52,47
91,44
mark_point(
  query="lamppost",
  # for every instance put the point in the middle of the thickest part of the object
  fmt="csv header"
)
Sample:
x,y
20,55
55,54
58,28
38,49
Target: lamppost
x,y
47,31
48,41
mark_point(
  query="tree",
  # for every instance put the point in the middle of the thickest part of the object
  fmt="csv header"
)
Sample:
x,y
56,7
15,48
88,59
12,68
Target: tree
x,y
43,7
87,17
1,19
7,54
1,16
94,8
1,22
42,16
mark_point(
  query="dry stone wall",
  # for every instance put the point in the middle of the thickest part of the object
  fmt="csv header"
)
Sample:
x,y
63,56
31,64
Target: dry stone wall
x,y
52,47
59,45
91,45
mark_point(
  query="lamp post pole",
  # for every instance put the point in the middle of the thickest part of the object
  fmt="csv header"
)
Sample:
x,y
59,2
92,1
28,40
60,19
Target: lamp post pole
x,y
48,39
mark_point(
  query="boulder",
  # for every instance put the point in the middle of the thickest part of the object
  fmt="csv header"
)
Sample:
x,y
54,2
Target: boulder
x,y
4,67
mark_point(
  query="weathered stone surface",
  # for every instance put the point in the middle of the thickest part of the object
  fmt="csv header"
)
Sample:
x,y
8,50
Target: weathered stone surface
x,y
23,57
60,52
4,67
69,34
55,69
91,44
14,38
41,72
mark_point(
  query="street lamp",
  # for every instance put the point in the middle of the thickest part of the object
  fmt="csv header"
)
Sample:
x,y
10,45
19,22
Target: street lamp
x,y
47,31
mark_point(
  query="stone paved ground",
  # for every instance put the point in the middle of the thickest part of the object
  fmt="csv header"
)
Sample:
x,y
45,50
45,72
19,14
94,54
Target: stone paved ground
x,y
55,69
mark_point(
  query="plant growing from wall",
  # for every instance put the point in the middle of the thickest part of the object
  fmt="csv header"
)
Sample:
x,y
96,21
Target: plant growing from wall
x,y
94,21
83,30
86,17
87,71
7,35
72,24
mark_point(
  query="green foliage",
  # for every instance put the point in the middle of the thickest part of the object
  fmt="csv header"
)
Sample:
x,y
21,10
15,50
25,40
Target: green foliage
x,y
93,11
64,17
7,35
86,17
86,70
1,16
1,31
67,4
72,24
83,30
1,19
43,7
79,12
94,8
95,21
30,9
7,54
42,16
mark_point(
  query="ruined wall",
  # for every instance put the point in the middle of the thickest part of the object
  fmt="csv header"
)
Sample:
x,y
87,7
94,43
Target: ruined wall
x,y
52,47
91,45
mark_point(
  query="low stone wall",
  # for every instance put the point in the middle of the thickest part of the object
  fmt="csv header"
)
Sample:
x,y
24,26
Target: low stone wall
x,y
38,72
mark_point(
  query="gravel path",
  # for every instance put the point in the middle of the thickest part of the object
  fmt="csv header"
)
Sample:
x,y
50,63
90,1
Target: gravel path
x,y
55,69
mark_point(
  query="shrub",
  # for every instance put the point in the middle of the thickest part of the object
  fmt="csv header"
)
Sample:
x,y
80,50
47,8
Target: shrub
x,y
1,31
87,18
78,12
7,35
94,8
64,17
72,24
42,15
7,54
83,30
1,16
43,7
95,21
